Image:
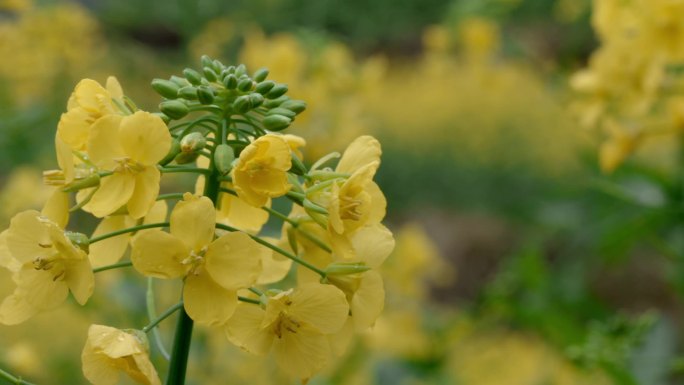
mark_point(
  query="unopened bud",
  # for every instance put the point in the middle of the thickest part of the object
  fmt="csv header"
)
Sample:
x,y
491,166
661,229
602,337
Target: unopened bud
x,y
165,88
193,76
230,81
193,142
245,84
210,74
255,100
275,102
206,61
346,268
223,158
179,81
242,104
174,109
276,122
297,106
282,111
240,70
188,93
277,91
205,94
260,75
264,86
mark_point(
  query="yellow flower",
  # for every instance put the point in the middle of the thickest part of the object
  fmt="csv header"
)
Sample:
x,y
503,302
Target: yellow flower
x,y
295,142
619,145
130,148
364,291
295,324
275,266
89,102
213,269
50,267
109,351
110,250
261,170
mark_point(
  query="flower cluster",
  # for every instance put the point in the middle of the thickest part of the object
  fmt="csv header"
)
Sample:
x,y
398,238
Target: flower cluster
x,y
633,81
223,125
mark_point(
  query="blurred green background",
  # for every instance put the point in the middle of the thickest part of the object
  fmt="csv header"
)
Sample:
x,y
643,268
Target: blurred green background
x,y
517,261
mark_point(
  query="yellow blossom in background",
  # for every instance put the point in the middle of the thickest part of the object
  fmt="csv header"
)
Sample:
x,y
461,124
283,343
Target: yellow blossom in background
x,y
130,148
214,269
49,267
294,324
109,351
260,172
23,190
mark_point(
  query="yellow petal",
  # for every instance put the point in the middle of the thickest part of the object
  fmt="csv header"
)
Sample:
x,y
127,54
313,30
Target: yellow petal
x,y
301,354
271,183
234,260
97,367
110,250
104,143
156,214
65,158
114,191
57,208
40,288
114,88
15,310
145,192
206,302
372,244
274,266
378,203
316,257
193,221
74,127
244,190
361,152
237,213
145,138
6,259
244,329
112,342
159,254
25,236
324,307
339,342
144,372
368,300
80,279
87,94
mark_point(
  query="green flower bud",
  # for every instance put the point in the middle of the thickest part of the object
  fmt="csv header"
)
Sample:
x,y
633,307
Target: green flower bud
x,y
276,122
260,75
276,102
192,142
245,84
163,117
282,111
217,66
241,104
297,106
189,93
173,151
193,76
223,158
210,74
255,100
230,82
205,94
78,239
277,91
165,88
186,157
240,70
206,61
264,86
175,109
346,268
179,81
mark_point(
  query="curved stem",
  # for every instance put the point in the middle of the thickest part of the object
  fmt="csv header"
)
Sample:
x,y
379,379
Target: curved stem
x,y
278,250
171,170
249,300
170,196
127,230
12,379
113,266
162,317
152,314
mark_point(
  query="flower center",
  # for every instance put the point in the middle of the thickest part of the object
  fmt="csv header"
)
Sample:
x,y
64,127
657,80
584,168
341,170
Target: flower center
x,y
350,208
285,323
128,165
195,261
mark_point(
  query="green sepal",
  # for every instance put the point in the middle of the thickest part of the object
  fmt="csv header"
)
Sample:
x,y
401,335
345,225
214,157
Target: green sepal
x,y
282,111
276,122
230,81
296,106
260,74
205,94
91,180
78,239
175,109
173,151
193,76
346,268
165,88
277,91
223,158
188,93
210,74
264,87
245,84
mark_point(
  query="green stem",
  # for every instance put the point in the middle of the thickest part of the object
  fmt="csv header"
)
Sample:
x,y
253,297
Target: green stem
x,y
249,300
127,230
170,196
277,250
162,317
12,379
113,266
171,170
152,314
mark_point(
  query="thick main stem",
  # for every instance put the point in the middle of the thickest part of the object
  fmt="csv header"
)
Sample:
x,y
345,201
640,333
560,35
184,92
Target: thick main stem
x,y
183,337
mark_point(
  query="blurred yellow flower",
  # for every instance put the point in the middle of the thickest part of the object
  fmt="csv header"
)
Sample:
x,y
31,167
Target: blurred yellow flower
x,y
261,170
130,148
295,323
50,267
214,269
109,351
